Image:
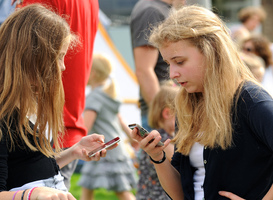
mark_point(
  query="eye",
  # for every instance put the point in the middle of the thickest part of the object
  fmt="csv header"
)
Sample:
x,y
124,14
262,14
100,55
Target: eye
x,y
180,62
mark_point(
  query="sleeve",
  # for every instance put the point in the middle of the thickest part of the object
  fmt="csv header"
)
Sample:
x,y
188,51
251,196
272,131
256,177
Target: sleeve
x,y
176,161
93,102
143,24
3,164
261,121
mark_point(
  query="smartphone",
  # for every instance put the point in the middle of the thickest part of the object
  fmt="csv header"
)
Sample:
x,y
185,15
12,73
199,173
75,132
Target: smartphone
x,y
143,132
104,146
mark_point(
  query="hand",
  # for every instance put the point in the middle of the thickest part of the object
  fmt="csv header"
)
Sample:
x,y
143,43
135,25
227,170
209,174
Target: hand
x,y
230,195
155,152
88,143
46,193
134,144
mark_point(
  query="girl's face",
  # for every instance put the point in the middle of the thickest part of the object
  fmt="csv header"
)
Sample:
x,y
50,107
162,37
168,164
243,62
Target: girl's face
x,y
62,55
253,22
248,47
187,65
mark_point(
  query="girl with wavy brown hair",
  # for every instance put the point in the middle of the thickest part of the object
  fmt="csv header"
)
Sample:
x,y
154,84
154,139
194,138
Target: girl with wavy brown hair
x,y
224,145
33,44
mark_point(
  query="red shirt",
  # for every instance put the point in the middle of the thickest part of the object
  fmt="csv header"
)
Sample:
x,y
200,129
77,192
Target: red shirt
x,y
83,20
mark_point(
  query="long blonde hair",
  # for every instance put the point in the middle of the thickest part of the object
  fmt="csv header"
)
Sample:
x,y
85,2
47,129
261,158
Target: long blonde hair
x,y
204,117
30,76
102,67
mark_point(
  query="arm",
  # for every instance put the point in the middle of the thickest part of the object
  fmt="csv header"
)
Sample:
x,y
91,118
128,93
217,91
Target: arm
x,y
268,196
169,150
128,131
86,144
168,176
145,61
39,193
89,117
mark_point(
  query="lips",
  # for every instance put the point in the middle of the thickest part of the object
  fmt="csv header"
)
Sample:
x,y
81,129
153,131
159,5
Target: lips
x,y
183,84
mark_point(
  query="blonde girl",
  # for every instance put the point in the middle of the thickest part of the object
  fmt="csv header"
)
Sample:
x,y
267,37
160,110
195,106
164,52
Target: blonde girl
x,y
116,171
224,145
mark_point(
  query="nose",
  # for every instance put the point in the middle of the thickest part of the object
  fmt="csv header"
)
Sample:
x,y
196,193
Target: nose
x,y
173,72
63,67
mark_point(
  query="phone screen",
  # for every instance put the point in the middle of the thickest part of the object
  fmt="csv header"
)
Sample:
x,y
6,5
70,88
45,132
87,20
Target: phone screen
x,y
104,146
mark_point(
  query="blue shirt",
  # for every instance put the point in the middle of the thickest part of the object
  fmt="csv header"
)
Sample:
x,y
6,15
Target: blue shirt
x,y
5,9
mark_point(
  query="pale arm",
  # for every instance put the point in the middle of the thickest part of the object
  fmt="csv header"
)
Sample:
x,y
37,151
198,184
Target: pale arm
x,y
39,193
128,131
145,61
89,118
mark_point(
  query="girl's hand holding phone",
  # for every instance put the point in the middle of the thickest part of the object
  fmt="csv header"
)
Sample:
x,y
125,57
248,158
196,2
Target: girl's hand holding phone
x,y
87,144
150,143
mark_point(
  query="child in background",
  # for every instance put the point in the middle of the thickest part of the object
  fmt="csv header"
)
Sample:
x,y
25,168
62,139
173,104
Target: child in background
x,y
116,172
255,64
161,117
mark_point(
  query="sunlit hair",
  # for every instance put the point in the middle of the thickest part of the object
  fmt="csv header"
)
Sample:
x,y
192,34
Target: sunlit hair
x,y
204,117
247,12
102,68
30,76
261,48
163,99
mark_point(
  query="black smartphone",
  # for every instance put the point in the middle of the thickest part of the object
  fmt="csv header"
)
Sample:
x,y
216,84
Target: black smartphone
x,y
143,132
104,146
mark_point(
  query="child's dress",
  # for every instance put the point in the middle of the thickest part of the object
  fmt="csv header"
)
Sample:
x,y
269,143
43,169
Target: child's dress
x,y
115,171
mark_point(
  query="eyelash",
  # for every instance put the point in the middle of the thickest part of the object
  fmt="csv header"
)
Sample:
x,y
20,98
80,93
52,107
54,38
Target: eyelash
x,y
180,63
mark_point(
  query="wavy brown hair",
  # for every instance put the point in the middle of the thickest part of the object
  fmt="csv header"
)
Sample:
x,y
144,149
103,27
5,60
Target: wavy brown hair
x,y
204,117
30,77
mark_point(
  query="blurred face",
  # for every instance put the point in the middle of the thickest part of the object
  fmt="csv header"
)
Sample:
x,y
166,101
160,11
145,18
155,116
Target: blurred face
x,y
187,65
248,47
253,22
62,55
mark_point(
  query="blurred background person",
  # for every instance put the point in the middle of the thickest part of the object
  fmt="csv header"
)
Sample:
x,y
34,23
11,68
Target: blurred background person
x,y
260,46
250,17
116,171
255,64
161,117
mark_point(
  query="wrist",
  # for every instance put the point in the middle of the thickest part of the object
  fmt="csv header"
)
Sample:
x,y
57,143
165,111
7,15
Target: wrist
x,y
159,161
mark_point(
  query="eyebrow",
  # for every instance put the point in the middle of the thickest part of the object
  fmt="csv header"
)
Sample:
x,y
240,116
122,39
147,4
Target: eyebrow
x,y
175,57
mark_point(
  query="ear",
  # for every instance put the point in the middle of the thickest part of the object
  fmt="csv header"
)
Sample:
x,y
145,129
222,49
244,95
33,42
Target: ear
x,y
166,113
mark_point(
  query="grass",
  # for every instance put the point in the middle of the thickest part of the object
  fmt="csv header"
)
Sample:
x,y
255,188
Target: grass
x,y
100,194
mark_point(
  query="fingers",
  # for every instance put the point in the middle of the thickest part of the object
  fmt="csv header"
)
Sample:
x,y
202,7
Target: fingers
x,y
97,137
135,135
151,140
230,195
46,193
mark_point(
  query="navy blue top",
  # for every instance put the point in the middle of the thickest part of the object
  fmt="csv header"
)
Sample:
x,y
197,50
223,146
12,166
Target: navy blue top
x,y
246,168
